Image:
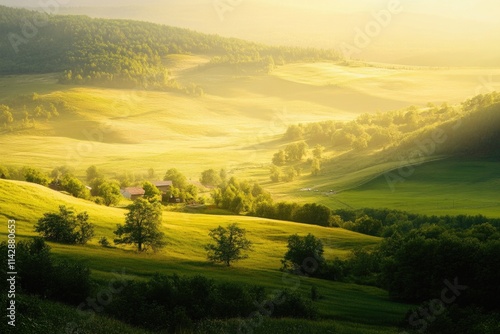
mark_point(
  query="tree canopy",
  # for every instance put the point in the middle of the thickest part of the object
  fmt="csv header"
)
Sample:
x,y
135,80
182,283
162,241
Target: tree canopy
x,y
304,255
65,226
229,244
142,226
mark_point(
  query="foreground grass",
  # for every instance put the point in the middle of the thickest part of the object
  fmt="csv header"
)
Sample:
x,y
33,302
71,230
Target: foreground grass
x,y
287,326
45,317
38,316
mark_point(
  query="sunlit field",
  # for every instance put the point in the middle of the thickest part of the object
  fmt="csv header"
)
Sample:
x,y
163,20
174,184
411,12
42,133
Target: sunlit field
x,y
361,139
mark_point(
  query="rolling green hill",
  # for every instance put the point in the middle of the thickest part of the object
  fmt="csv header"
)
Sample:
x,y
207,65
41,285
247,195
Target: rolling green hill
x,y
442,187
186,234
429,160
136,98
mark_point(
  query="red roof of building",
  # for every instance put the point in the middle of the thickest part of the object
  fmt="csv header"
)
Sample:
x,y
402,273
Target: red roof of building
x,y
134,190
163,183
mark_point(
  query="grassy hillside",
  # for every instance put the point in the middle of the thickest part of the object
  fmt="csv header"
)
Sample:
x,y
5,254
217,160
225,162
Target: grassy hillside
x,y
47,317
442,187
186,234
152,129
138,130
239,121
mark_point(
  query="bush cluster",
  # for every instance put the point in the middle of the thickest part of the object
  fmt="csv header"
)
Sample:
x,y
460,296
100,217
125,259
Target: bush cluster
x,y
174,302
39,274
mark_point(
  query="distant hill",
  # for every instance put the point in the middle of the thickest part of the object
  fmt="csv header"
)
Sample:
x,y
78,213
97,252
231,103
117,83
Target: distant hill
x,y
477,133
472,127
445,33
121,53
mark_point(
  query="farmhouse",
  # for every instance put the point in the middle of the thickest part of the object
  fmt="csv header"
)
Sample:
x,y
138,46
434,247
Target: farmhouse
x,y
132,193
163,186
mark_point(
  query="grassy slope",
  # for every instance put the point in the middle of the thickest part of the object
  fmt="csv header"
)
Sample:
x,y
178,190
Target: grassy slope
x,y
163,130
186,234
234,124
237,125
449,186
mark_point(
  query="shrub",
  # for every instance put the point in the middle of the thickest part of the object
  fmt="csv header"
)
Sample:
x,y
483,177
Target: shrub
x,y
65,226
39,274
104,242
175,303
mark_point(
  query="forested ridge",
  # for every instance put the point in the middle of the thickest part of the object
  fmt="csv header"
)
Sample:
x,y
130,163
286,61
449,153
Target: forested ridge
x,y
122,53
411,135
465,127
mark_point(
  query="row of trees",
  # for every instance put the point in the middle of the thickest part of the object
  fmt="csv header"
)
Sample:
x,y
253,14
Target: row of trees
x,y
103,190
386,222
311,213
25,116
250,198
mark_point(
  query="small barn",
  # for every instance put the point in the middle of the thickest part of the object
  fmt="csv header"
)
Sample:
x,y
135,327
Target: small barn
x,y
132,193
163,186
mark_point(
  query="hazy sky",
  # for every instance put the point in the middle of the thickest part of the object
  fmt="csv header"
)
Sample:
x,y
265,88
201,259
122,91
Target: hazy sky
x,y
482,9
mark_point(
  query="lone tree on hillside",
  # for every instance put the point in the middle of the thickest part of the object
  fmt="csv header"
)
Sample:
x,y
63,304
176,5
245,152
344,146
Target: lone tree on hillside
x,y
65,226
142,226
229,244
304,255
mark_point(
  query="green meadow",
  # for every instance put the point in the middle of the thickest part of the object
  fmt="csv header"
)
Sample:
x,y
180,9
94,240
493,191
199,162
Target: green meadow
x,y
135,99
184,255
238,124
235,125
448,186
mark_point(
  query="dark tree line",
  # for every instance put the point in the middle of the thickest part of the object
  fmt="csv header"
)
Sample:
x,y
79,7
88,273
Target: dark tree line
x,y
449,267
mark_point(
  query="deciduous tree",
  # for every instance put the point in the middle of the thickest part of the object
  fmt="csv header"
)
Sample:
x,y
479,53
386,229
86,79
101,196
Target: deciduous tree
x,y
65,226
229,244
304,255
142,226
